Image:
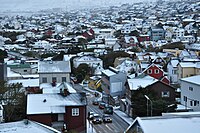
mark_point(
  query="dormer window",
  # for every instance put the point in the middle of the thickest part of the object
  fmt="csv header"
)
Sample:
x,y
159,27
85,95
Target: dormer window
x,y
149,71
156,71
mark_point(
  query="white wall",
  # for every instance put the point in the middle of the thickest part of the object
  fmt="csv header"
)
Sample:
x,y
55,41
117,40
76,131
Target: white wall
x,y
191,95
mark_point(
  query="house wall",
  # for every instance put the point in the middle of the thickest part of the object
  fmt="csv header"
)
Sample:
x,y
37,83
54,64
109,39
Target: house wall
x,y
173,77
187,72
77,123
160,87
41,118
57,75
3,71
191,94
23,70
119,78
153,74
89,62
128,100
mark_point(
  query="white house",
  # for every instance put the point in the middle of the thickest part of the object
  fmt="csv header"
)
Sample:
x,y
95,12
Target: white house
x,y
1,114
110,42
42,44
190,92
172,70
179,33
90,60
189,38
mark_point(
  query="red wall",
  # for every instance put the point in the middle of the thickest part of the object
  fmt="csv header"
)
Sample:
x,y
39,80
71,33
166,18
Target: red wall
x,y
165,80
153,74
41,118
77,123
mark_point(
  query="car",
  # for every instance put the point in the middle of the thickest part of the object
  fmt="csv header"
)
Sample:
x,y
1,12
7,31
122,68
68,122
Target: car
x,y
102,105
95,102
106,118
96,119
108,109
90,115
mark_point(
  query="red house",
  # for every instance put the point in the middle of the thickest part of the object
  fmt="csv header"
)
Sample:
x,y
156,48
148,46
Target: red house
x,y
63,111
154,71
89,34
143,38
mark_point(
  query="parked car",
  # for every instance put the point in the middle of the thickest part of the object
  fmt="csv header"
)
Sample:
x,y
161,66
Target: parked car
x,y
107,118
90,115
108,109
102,105
95,102
97,119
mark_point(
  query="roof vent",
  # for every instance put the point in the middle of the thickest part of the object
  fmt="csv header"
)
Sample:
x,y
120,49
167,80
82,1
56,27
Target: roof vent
x,y
25,121
44,100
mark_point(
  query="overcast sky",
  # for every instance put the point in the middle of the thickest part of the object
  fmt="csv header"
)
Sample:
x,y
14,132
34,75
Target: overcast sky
x,y
35,5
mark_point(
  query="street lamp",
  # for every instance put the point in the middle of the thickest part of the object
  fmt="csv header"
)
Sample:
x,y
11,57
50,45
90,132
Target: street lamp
x,y
148,99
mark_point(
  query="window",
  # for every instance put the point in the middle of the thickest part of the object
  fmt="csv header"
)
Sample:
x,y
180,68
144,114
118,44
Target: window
x,y
63,79
156,71
149,71
25,70
195,103
174,71
165,94
185,98
191,88
191,103
44,80
75,111
53,79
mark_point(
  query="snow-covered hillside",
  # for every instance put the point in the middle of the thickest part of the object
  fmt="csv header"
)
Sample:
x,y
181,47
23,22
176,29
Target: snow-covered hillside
x,y
36,5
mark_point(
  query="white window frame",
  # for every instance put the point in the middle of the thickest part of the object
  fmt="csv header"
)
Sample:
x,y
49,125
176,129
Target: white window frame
x,y
156,71
149,71
75,111
165,95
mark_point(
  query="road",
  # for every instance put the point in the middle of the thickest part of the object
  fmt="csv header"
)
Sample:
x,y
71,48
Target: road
x,y
117,126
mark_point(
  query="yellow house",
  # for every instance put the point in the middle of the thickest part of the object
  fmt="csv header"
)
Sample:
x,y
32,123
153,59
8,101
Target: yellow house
x,y
187,69
94,83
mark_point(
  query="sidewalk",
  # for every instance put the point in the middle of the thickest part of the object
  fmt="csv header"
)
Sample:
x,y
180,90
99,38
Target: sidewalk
x,y
124,116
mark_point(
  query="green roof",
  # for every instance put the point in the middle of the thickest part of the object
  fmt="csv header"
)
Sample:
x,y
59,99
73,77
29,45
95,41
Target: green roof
x,y
19,66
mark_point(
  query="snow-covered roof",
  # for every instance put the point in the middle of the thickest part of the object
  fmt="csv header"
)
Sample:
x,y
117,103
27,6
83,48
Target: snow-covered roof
x,y
186,64
11,73
52,103
174,63
68,57
192,79
135,83
26,82
54,66
87,58
169,124
22,127
48,88
108,72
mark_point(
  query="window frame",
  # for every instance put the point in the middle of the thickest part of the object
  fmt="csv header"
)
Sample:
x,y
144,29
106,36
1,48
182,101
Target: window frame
x,y
44,79
75,112
165,95
149,71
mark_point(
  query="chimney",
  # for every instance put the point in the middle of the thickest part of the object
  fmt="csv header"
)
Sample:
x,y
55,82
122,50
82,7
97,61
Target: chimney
x,y
65,92
53,83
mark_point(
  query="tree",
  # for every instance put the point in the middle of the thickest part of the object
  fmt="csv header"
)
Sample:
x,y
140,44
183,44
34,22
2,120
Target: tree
x,y
134,33
139,103
14,101
109,58
81,71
